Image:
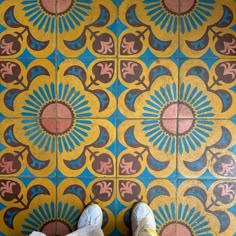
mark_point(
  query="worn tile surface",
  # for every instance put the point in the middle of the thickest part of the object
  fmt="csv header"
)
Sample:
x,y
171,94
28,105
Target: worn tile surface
x,y
116,102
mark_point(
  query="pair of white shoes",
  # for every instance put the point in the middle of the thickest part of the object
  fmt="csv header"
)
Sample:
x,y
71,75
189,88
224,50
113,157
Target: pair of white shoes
x,y
92,215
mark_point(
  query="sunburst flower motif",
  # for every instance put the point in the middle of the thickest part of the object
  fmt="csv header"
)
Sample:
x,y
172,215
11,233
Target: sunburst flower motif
x,y
44,13
191,128
192,13
188,221
51,118
47,218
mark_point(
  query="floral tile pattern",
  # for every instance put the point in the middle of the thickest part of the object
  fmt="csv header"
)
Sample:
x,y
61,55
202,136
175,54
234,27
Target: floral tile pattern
x,y
147,88
209,151
215,203
141,20
89,148
215,80
26,27
159,194
145,148
89,90
27,204
116,102
207,26
26,86
78,193
86,25
26,150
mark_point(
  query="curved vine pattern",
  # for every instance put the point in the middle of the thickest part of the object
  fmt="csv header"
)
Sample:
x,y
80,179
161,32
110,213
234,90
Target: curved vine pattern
x,y
225,43
61,216
202,25
177,122
36,23
202,209
10,44
117,102
58,118
131,43
163,99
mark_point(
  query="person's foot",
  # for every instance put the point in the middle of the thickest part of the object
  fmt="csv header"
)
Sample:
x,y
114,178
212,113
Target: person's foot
x,y
92,215
140,211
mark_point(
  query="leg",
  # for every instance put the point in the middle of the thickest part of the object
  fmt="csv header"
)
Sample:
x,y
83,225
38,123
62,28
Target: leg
x,y
90,222
142,220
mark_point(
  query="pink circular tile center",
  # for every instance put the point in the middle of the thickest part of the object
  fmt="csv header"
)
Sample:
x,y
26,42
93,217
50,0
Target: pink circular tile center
x,y
169,118
185,5
177,229
62,5
56,118
50,229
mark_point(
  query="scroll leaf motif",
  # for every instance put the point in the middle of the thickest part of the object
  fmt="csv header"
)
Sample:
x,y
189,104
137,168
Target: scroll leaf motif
x,y
156,165
35,191
76,190
132,18
35,72
226,19
155,192
224,140
226,99
200,72
77,163
102,139
131,97
9,216
35,44
10,138
198,193
197,165
78,43
10,18
9,98
130,138
223,218
77,71
199,44
157,43
103,99
158,71
36,164
103,18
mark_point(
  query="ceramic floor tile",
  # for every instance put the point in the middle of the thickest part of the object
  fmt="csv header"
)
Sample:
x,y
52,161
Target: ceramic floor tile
x,y
207,28
160,196
86,26
206,207
147,87
207,89
25,149
145,149
26,29
87,90
148,28
27,204
116,102
208,150
26,87
87,148
75,194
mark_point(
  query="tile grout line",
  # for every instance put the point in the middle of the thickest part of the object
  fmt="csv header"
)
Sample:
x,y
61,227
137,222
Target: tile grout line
x,y
117,114
56,85
177,121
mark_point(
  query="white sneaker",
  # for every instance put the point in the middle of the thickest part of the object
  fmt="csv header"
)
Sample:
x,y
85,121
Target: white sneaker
x,y
92,215
140,211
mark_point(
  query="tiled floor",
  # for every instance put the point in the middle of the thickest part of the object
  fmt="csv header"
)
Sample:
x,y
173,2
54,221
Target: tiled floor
x,y
114,102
